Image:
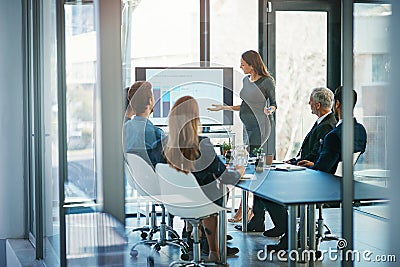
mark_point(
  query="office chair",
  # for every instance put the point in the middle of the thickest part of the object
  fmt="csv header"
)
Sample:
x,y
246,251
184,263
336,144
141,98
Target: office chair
x,y
327,235
144,179
184,197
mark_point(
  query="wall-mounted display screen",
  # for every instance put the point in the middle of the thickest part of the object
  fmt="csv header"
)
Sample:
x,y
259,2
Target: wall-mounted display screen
x,y
208,85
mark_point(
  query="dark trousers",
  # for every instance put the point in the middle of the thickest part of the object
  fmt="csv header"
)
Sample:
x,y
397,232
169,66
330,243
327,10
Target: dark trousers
x,y
278,213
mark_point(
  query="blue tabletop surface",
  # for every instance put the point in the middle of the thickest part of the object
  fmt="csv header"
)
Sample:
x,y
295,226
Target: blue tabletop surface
x,y
305,186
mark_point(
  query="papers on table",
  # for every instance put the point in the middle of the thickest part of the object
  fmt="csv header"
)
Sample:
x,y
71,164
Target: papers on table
x,y
289,168
248,176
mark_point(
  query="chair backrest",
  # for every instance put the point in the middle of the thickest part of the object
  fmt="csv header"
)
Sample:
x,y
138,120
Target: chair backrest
x,y
182,195
142,177
339,169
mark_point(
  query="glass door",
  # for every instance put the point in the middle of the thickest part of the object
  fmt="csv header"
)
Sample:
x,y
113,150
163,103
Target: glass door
x,y
303,52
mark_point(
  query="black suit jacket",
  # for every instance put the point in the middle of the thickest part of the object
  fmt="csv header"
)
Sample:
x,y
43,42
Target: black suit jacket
x,y
312,142
331,148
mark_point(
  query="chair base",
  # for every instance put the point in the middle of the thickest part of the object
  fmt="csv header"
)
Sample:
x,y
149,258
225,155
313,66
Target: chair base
x,y
197,261
158,244
193,263
323,236
143,231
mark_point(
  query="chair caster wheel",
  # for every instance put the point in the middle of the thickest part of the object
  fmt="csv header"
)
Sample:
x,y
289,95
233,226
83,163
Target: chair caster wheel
x,y
185,257
143,235
134,253
318,254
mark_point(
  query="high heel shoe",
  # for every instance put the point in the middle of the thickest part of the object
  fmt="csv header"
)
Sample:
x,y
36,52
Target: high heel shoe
x,y
250,214
238,217
235,220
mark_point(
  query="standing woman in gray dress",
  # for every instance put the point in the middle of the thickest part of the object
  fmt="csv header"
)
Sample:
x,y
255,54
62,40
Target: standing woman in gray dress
x,y
258,100
258,105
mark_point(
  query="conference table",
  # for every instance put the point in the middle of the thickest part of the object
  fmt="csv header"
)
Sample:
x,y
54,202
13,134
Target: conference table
x,y
297,189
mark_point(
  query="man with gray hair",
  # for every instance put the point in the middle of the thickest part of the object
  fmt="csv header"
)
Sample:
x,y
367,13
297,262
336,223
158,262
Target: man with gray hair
x,y
321,101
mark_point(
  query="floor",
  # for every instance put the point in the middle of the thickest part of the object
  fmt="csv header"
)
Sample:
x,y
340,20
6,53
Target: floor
x,y
370,240
96,239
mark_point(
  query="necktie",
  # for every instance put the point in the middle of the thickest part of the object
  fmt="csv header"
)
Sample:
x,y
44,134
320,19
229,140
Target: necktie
x,y
305,139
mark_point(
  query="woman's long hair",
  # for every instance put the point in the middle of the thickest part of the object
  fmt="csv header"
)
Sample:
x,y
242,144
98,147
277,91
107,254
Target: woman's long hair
x,y
254,59
182,147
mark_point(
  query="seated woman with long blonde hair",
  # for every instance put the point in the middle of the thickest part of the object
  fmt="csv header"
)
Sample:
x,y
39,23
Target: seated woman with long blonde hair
x,y
186,151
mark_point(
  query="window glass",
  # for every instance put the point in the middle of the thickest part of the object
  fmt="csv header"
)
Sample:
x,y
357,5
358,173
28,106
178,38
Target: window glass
x,y
158,33
161,33
227,45
80,54
301,65
371,76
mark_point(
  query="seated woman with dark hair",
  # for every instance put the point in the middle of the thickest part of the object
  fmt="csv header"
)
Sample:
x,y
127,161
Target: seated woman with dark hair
x,y
184,150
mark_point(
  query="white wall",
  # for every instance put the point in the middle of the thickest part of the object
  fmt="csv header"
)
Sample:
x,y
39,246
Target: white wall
x,y
12,206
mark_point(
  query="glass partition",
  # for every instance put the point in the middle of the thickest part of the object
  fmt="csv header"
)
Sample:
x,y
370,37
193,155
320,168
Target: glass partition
x,y
371,82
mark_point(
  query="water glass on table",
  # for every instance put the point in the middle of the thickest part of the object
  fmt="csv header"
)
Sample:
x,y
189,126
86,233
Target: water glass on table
x,y
241,156
260,162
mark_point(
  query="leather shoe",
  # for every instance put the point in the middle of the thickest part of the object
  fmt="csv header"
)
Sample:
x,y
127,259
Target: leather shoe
x,y
273,232
252,226
282,245
230,251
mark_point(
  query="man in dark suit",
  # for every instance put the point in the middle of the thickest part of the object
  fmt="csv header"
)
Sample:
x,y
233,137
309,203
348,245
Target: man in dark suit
x,y
321,101
328,159
331,149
